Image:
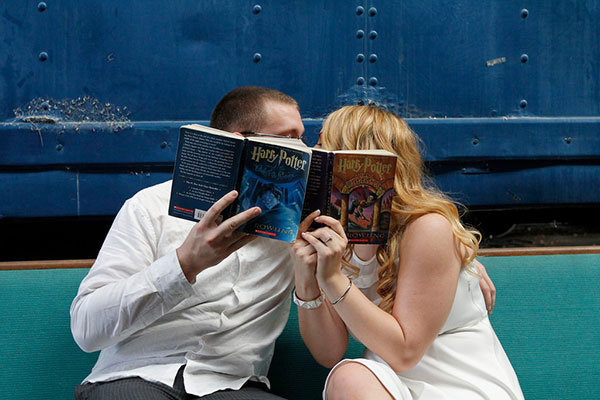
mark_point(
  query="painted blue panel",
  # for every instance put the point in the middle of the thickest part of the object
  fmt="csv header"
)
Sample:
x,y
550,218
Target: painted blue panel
x,y
88,193
53,193
90,169
173,61
445,139
517,184
505,96
464,58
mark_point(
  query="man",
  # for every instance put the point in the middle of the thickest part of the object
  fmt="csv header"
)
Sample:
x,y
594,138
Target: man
x,y
182,309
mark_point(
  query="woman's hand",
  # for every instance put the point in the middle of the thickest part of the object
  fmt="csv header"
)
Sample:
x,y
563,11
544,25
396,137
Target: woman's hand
x,y
304,258
330,243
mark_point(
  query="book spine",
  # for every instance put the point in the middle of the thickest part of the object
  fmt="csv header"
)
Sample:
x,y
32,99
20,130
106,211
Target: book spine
x,y
317,186
231,209
329,184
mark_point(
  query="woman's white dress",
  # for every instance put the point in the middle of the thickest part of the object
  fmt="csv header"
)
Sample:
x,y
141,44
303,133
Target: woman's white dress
x,y
466,360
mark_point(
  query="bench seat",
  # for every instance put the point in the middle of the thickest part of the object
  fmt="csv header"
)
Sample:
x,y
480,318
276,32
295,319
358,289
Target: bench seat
x,y
547,317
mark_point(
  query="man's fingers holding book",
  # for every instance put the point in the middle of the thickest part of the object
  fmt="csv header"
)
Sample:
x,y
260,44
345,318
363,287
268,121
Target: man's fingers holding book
x,y
229,226
213,214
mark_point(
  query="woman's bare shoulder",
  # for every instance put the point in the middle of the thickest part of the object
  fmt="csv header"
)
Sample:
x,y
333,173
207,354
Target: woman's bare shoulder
x,y
429,236
432,223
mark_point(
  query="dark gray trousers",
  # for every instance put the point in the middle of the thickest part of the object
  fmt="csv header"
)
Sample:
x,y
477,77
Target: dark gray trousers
x,y
140,389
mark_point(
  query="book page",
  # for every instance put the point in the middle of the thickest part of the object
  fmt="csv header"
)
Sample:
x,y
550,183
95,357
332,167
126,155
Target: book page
x,y
281,141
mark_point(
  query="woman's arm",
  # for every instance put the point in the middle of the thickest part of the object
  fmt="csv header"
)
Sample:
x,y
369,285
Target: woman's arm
x,y
430,262
322,330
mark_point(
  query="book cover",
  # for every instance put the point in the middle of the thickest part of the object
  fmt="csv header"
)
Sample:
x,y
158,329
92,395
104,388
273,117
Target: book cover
x,y
355,187
203,174
269,172
274,179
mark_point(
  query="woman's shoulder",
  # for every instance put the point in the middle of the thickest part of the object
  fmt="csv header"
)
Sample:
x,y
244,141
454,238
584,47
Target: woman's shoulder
x,y
431,223
429,236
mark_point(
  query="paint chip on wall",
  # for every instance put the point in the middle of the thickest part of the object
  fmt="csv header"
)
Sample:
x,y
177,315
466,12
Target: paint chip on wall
x,y
495,61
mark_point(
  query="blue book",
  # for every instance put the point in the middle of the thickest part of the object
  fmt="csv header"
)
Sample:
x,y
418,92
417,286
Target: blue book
x,y
268,171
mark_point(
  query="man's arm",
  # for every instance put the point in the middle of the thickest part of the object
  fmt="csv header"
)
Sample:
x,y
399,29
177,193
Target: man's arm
x,y
487,287
127,288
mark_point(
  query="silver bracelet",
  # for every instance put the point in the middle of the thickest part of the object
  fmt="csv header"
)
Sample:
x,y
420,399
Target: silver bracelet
x,y
309,305
333,303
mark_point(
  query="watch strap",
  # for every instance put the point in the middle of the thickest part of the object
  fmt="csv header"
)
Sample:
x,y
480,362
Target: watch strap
x,y
309,305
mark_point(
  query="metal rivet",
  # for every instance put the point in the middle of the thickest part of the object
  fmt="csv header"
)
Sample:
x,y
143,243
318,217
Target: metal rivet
x,y
360,81
257,9
163,145
42,6
523,103
360,33
373,81
360,57
373,58
59,147
360,10
475,141
568,140
524,58
372,11
493,113
372,35
257,57
524,13
43,56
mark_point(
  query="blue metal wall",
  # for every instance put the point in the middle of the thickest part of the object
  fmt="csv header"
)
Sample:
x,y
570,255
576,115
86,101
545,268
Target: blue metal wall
x,y
505,95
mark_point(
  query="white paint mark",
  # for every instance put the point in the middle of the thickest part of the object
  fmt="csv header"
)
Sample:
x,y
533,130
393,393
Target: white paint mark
x,y
495,61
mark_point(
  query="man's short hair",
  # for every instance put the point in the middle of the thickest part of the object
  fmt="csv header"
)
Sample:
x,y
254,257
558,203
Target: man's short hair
x,y
243,109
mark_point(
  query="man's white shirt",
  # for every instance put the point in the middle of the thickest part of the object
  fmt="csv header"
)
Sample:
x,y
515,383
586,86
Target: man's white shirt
x,y
137,307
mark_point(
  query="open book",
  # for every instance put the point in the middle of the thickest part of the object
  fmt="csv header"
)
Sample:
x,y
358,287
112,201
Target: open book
x,y
267,171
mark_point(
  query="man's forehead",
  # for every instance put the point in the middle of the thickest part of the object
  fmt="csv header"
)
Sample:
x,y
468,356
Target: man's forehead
x,y
282,119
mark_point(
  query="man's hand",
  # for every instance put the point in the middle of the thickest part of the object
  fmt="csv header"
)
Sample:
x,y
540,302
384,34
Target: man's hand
x,y
208,243
487,287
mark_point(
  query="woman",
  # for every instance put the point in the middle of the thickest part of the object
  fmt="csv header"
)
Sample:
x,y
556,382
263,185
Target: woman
x,y
415,303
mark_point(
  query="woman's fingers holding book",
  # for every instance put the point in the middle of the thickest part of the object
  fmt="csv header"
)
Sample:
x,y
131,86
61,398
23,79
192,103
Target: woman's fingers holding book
x,y
333,224
330,248
326,241
305,224
304,258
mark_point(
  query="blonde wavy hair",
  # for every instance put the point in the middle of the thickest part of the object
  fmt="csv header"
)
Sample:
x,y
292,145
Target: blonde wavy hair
x,y
367,127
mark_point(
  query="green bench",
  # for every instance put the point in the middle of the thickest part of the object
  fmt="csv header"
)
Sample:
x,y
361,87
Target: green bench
x,y
547,317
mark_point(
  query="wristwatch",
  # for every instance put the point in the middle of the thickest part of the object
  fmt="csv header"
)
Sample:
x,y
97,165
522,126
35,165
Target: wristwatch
x,y
309,305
